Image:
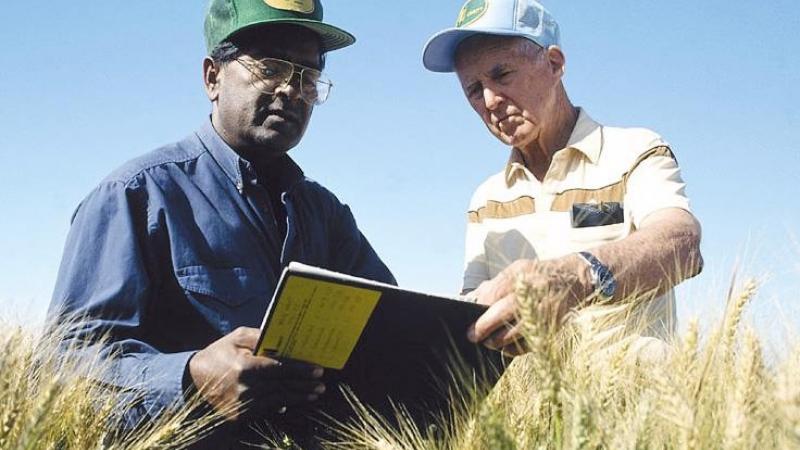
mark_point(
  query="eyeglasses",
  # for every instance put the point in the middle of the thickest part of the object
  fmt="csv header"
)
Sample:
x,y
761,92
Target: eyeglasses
x,y
270,74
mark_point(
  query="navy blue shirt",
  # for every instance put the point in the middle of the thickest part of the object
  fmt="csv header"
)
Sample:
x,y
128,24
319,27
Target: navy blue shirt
x,y
181,246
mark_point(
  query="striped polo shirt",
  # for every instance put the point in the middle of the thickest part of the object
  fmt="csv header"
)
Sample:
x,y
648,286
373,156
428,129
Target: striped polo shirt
x,y
627,173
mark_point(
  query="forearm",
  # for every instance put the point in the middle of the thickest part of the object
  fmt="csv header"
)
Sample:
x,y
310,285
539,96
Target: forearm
x,y
147,382
655,258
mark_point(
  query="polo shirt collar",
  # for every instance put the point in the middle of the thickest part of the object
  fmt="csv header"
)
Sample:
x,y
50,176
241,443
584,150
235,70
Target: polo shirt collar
x,y
586,137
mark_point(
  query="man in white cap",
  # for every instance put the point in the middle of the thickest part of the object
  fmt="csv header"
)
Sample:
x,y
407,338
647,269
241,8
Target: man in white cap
x,y
582,212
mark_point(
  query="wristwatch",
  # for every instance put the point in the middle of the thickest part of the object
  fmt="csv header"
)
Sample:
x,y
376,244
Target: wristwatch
x,y
603,280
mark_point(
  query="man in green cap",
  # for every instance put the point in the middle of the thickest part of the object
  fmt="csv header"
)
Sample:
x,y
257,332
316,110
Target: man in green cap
x,y
176,254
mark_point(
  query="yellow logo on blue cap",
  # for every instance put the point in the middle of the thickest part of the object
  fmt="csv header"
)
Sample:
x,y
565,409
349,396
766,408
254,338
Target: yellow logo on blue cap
x,y
471,11
301,6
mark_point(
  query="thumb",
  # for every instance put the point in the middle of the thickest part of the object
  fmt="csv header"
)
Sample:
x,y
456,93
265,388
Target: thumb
x,y
245,337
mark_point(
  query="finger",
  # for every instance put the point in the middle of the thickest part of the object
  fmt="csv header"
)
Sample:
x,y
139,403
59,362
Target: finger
x,y
245,337
481,294
495,317
269,368
493,342
491,291
503,337
470,296
509,335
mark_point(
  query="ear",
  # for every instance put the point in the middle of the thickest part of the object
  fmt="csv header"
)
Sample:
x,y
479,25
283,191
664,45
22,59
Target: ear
x,y
557,60
211,78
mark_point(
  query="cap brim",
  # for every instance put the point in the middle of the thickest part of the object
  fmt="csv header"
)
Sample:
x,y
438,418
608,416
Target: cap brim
x,y
440,50
331,37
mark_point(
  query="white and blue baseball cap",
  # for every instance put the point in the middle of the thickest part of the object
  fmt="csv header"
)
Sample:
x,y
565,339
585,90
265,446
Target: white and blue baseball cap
x,y
523,18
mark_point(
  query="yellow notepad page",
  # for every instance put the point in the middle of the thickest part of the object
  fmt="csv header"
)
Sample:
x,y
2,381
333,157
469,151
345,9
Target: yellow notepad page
x,y
318,321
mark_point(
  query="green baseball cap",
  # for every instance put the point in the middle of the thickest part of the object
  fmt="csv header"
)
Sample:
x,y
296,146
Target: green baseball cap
x,y
228,17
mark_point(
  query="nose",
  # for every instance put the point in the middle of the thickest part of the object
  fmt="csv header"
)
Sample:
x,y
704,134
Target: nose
x,y
290,88
491,98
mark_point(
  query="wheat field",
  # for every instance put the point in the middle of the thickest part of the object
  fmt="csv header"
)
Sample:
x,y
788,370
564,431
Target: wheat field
x,y
576,389
582,389
50,401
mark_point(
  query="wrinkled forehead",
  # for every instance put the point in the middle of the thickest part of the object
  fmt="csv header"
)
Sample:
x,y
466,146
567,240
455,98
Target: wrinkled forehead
x,y
291,42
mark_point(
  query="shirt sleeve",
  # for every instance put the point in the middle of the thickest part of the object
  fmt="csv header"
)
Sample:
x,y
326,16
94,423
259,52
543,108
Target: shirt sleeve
x,y
354,255
102,295
476,270
655,183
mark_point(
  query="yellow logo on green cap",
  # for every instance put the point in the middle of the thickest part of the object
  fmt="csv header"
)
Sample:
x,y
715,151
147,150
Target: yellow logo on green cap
x,y
470,12
301,6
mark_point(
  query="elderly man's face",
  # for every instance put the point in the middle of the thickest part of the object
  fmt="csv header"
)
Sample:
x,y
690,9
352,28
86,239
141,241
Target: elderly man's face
x,y
511,83
257,124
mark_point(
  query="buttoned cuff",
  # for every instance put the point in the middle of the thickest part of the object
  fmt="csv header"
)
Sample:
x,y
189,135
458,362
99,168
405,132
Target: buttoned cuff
x,y
164,382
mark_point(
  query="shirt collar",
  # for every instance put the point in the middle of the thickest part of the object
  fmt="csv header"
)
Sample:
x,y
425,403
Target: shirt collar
x,y
515,166
586,137
286,172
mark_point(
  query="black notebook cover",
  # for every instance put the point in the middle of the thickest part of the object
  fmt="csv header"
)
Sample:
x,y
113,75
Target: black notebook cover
x,y
405,352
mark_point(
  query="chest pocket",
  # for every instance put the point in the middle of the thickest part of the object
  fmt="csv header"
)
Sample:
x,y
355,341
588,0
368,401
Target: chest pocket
x,y
600,223
232,286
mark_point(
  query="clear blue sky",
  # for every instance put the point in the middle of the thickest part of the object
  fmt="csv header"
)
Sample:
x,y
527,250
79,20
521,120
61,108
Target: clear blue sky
x,y
88,85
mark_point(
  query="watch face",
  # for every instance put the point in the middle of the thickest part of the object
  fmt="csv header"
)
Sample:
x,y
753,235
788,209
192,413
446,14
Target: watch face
x,y
609,288
602,278
606,282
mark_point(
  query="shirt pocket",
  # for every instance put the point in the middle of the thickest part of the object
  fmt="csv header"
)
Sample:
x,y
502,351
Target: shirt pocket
x,y
233,286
